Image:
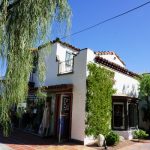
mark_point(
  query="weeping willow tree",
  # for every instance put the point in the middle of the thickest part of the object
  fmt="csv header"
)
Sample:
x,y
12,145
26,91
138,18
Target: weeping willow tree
x,y
22,22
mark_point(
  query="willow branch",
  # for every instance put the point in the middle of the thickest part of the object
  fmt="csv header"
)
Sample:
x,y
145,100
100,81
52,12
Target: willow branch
x,y
10,6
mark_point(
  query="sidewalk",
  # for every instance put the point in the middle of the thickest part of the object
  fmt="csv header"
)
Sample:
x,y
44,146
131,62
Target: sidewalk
x,y
137,146
23,141
4,147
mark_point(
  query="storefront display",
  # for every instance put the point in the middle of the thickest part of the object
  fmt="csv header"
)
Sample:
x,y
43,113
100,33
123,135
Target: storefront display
x,y
36,116
45,124
50,117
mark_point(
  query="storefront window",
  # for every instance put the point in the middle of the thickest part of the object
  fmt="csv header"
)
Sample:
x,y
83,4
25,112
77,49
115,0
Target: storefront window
x,y
31,119
133,119
37,116
118,115
125,113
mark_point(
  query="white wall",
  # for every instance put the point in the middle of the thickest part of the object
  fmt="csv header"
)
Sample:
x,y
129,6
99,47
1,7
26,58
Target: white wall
x,y
114,59
79,97
77,78
124,84
58,51
90,59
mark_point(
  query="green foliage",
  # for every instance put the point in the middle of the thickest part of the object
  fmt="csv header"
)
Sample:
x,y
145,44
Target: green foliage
x,y
112,139
22,23
144,94
140,134
41,95
99,100
146,111
145,86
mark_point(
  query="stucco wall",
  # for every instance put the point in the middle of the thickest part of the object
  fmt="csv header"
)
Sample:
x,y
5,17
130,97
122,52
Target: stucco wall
x,y
77,78
79,97
125,85
114,59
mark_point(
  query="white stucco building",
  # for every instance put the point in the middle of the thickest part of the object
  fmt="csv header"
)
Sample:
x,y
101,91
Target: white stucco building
x,y
65,84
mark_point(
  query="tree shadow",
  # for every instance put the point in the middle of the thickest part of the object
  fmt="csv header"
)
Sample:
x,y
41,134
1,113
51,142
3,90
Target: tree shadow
x,y
19,137
129,90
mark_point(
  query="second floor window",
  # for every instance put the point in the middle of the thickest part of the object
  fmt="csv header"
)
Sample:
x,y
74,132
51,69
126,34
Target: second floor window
x,y
68,59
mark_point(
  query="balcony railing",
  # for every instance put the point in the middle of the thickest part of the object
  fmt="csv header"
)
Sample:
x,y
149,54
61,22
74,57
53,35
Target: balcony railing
x,y
65,67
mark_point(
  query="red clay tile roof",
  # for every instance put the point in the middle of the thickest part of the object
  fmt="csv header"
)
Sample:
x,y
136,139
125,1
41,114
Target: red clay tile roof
x,y
98,58
59,41
44,45
109,53
66,44
114,66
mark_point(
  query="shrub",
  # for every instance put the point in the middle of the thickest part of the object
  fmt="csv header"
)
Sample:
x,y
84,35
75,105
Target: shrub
x,y
140,134
112,139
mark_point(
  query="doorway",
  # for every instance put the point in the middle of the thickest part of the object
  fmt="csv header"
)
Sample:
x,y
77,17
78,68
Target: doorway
x,y
64,125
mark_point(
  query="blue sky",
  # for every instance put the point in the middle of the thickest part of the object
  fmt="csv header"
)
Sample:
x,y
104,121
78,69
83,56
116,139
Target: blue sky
x,y
128,36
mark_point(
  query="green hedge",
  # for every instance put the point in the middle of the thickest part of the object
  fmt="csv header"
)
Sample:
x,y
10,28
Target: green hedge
x,y
99,100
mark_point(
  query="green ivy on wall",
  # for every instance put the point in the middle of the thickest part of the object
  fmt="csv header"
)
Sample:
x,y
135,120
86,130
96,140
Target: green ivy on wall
x,y
99,100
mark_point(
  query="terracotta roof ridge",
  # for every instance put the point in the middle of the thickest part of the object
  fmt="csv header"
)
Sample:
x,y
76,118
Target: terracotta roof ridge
x,y
115,66
110,53
55,41
105,52
65,44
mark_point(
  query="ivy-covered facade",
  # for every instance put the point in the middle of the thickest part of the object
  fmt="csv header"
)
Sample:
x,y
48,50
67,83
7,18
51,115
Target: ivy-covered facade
x,y
63,111
100,83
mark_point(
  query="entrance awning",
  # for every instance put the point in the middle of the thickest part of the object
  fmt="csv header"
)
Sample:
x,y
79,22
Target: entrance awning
x,y
55,88
125,98
60,88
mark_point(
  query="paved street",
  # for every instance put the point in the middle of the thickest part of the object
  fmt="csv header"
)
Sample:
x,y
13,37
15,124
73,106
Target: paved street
x,y
23,141
138,146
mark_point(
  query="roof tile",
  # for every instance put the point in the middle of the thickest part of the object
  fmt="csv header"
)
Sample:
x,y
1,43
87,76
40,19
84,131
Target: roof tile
x,y
114,66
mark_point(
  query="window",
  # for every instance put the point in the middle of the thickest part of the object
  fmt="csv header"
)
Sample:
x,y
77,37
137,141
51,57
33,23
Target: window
x,y
118,115
68,60
133,119
67,65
